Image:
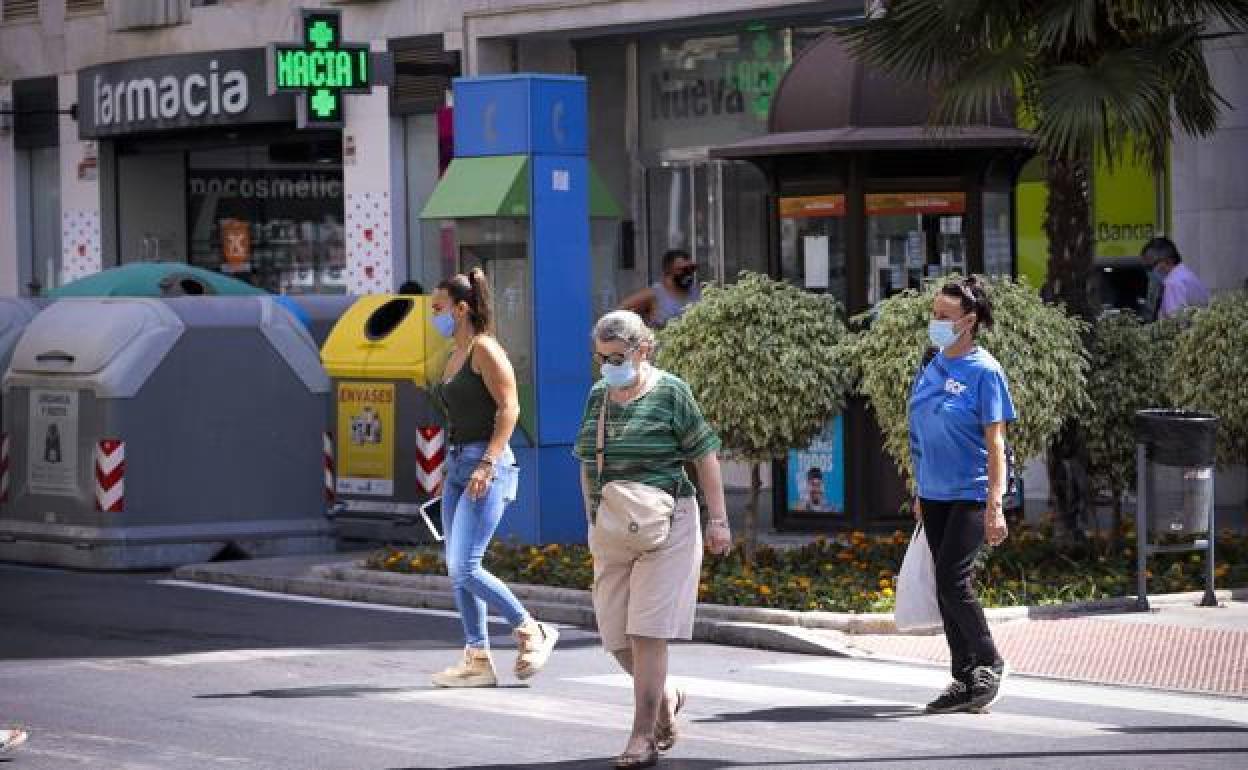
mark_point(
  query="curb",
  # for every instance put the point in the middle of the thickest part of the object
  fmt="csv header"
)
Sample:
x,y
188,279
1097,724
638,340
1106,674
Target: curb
x,y
348,582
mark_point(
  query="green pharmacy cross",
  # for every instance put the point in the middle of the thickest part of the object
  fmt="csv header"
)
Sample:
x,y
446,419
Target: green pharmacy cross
x,y
320,70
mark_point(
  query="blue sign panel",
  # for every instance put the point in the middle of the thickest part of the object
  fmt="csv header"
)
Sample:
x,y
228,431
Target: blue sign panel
x,y
816,474
520,115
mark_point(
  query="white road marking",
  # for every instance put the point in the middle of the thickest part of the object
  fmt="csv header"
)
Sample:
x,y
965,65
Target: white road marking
x,y
775,697
1017,686
616,717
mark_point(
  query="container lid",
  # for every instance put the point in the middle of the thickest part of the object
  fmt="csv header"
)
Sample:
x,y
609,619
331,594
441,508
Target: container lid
x,y
82,336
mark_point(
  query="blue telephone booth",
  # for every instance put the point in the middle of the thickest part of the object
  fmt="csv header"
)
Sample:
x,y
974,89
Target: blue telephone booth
x,y
518,193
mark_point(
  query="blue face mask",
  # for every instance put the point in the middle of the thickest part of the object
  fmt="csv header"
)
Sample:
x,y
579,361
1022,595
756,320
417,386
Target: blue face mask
x,y
445,324
941,333
619,375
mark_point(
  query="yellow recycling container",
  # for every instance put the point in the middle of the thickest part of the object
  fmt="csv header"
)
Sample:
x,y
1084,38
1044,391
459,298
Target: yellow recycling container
x,y
388,448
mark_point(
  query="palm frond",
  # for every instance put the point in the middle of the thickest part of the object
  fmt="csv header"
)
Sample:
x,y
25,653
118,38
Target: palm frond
x,y
984,86
1061,24
1120,98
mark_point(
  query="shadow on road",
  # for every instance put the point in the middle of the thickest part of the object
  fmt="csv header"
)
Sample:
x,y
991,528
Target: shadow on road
x,y
919,760
334,691
792,714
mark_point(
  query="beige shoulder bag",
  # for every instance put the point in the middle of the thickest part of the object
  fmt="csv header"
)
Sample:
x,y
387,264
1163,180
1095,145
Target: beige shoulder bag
x,y
629,514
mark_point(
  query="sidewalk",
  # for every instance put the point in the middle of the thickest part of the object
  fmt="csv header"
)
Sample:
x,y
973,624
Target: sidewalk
x,y
1177,646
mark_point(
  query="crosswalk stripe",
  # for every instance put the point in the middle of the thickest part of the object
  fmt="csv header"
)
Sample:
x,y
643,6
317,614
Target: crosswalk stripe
x,y
1105,696
797,697
514,702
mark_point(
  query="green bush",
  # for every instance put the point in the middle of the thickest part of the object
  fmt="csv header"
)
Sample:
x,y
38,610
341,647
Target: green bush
x,y
1037,344
1209,371
759,356
1128,361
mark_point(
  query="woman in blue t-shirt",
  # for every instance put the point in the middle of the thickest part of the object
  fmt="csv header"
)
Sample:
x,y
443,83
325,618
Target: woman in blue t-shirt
x,y
958,410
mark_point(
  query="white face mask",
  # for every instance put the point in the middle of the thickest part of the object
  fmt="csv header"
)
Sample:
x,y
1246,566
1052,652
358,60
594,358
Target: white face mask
x,y
941,333
619,375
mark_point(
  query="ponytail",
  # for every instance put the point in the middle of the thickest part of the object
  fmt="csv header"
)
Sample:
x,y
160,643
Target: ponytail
x,y
474,290
973,295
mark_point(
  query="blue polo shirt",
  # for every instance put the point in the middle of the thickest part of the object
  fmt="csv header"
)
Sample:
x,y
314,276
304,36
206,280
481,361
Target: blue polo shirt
x,y
952,401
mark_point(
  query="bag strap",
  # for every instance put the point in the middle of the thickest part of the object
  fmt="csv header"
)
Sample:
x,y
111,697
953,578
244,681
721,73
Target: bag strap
x,y
601,452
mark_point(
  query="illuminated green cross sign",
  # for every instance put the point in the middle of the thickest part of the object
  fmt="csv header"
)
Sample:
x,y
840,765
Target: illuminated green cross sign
x,y
320,70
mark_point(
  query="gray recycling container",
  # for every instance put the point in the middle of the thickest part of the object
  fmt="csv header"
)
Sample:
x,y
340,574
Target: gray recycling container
x,y
1180,453
323,311
152,433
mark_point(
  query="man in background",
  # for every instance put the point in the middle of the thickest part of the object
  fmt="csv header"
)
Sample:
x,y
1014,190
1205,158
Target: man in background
x,y
669,298
1181,287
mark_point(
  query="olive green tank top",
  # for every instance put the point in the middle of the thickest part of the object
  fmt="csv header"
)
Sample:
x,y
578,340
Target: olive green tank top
x,y
468,405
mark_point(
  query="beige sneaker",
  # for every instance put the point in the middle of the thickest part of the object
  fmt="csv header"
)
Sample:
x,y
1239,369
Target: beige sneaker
x,y
534,642
476,670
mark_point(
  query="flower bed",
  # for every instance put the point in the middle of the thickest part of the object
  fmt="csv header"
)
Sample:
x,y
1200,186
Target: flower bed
x,y
857,572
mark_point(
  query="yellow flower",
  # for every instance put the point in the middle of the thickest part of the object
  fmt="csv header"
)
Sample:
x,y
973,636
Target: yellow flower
x,y
704,588
764,590
804,583
416,563
886,583
887,592
552,549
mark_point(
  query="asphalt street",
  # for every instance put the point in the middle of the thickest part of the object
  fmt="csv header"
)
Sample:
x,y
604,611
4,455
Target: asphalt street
x,y
141,671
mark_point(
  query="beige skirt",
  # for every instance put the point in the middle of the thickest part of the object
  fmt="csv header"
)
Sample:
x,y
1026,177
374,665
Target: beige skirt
x,y
653,595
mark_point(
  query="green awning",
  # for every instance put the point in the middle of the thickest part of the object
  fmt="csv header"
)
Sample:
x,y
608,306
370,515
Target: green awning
x,y
495,186
498,186
601,201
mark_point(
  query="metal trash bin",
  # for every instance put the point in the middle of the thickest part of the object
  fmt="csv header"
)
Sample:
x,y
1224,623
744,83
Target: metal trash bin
x,y
389,435
154,433
1175,467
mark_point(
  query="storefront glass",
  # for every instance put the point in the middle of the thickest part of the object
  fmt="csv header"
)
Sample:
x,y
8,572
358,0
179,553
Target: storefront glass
x,y
500,247
270,214
911,237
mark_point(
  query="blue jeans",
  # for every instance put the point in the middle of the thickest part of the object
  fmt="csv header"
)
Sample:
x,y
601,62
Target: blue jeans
x,y
470,526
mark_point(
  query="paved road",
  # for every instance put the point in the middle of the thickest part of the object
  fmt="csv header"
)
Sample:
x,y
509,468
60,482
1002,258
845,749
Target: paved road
x,y
138,671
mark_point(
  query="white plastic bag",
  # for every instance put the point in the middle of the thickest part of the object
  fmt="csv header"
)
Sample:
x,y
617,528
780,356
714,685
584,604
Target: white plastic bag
x,y
917,608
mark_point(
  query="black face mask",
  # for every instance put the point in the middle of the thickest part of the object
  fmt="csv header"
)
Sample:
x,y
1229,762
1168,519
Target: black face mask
x,y
684,280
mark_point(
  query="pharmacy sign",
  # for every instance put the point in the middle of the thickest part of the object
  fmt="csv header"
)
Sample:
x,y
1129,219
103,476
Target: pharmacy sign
x,y
320,69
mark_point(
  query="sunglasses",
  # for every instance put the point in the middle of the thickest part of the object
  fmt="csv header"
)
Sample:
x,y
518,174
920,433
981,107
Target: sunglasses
x,y
615,359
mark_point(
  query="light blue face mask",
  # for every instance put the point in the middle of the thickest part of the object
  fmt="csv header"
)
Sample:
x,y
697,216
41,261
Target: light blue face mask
x,y
941,333
619,375
445,324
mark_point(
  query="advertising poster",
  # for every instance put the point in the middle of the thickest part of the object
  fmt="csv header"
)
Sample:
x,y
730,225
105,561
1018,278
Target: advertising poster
x,y
816,474
53,451
365,438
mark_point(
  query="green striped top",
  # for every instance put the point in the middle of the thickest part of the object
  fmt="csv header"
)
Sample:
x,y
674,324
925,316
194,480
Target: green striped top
x,y
649,439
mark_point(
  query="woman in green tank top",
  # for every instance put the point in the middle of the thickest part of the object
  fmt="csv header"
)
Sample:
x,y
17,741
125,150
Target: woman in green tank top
x,y
478,394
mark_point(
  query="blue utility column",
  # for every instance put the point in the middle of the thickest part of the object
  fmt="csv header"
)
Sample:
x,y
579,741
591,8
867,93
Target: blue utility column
x,y
544,119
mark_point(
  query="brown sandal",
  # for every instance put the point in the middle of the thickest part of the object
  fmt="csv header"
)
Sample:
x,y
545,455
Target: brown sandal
x,y
629,761
665,735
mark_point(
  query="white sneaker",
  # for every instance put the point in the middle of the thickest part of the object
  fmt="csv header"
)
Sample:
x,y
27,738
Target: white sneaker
x,y
11,739
535,642
475,670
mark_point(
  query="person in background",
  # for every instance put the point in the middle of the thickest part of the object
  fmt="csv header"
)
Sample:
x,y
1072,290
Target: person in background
x,y
1152,300
478,395
669,298
1181,287
959,406
412,288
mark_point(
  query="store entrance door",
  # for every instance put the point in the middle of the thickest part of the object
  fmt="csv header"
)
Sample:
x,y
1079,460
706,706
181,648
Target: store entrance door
x,y
714,209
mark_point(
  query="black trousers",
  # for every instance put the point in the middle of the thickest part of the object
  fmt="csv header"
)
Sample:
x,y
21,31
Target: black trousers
x,y
955,532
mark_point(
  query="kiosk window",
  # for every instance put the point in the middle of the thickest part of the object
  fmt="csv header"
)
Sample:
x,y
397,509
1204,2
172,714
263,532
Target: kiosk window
x,y
913,236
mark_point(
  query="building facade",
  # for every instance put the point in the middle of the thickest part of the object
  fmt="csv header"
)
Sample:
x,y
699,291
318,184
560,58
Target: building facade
x,y
135,130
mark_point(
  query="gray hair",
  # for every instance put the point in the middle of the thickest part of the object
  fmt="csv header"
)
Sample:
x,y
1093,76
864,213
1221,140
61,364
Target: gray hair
x,y
623,325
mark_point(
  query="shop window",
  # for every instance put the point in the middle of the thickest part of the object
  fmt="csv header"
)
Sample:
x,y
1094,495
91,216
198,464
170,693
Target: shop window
x,y
270,214
998,259
912,237
19,10
812,244
83,7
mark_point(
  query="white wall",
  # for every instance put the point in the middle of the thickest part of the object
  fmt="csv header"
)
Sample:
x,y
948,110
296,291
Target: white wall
x,y
1209,184
80,198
